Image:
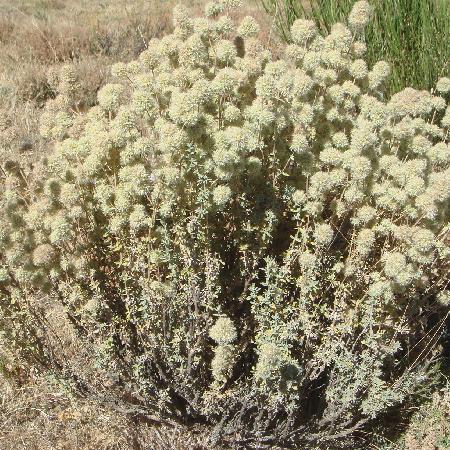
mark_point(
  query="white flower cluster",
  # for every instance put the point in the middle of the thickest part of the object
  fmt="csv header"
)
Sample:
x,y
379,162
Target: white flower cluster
x,y
223,332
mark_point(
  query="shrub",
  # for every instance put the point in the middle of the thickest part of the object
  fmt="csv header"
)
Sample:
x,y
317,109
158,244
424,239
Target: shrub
x,y
257,245
410,34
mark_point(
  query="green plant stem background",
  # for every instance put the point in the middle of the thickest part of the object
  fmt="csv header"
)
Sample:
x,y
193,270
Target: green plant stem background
x,y
412,35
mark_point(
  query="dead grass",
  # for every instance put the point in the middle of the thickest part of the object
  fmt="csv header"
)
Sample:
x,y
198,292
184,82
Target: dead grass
x,y
37,34
41,415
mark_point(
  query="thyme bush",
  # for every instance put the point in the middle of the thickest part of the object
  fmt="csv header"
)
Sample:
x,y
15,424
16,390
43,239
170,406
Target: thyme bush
x,y
253,244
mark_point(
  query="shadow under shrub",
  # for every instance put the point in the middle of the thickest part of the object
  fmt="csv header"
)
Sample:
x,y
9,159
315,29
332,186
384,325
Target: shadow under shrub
x,y
252,245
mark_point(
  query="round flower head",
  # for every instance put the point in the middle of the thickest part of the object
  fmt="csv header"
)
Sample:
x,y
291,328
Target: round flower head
x,y
119,70
306,116
350,89
181,18
225,158
331,156
151,56
397,268
221,195
379,73
364,215
420,145
303,31
172,138
299,197
223,331
43,255
340,37
423,240
381,290
248,27
213,9
60,230
443,298
222,363
360,167
439,154
340,140
69,194
184,109
271,358
259,115
193,52
359,16
202,26
295,53
302,83
359,49
109,96
443,85
226,52
365,241
323,234
320,183
169,46
358,69
224,25
333,59
138,217
411,102
232,114
135,176
415,186
299,143
445,122
226,82
201,90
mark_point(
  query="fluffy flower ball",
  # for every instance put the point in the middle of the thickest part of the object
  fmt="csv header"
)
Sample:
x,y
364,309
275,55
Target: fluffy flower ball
x,y
379,74
248,27
213,9
323,234
222,363
443,85
43,255
360,15
221,195
223,331
109,96
302,31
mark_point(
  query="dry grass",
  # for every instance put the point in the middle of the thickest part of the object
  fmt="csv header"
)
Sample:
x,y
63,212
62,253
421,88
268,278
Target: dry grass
x,y
36,34
40,415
